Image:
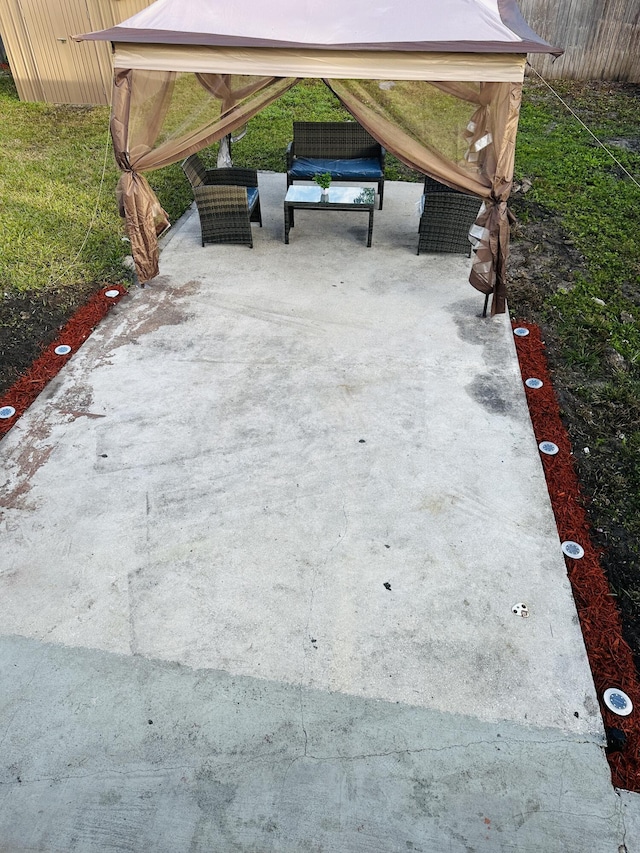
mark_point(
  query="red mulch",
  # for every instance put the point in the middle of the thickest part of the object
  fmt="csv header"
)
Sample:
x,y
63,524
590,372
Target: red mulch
x,y
23,392
609,655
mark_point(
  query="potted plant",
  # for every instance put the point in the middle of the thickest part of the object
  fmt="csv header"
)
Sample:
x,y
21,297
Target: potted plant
x,y
324,182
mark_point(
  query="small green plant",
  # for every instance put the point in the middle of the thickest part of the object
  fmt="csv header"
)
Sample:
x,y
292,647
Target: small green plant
x,y
323,180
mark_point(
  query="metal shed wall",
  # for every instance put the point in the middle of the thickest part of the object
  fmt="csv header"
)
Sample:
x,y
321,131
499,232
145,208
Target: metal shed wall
x,y
47,64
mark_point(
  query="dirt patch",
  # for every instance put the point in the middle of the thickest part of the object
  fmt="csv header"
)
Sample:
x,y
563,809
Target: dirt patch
x,y
542,258
29,323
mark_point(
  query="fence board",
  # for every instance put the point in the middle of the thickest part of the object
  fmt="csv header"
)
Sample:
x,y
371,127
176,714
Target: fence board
x,y
601,38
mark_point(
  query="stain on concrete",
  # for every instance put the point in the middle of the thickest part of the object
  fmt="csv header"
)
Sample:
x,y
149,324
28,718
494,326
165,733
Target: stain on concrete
x,y
491,392
78,396
160,306
473,328
590,706
213,797
76,401
34,451
33,454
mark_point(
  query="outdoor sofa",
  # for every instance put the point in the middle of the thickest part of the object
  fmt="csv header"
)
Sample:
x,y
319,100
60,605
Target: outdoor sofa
x,y
344,149
228,201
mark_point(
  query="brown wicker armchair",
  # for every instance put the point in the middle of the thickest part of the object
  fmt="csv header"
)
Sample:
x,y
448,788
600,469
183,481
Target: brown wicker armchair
x,y
446,219
228,201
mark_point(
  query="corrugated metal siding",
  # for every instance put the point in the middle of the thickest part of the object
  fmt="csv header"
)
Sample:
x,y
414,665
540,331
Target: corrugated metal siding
x,y
47,64
601,38
19,51
102,15
66,69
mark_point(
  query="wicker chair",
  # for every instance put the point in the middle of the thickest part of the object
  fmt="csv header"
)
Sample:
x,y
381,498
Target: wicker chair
x,y
228,201
446,219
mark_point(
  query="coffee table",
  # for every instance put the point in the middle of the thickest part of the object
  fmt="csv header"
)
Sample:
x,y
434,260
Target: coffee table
x,y
339,198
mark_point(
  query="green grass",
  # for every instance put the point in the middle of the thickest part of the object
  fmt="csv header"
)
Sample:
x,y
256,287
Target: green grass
x,y
52,159
599,207
600,210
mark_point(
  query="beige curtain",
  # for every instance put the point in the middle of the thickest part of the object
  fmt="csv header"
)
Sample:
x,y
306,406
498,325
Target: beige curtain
x,y
462,134
160,117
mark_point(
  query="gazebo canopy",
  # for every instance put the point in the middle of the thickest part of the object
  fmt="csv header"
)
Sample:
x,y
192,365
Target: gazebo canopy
x,y
459,64
477,26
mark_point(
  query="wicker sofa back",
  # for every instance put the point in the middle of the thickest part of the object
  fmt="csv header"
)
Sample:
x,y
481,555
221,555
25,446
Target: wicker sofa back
x,y
333,139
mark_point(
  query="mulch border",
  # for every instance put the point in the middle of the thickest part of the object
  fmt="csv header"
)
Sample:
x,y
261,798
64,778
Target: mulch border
x,y
73,334
609,654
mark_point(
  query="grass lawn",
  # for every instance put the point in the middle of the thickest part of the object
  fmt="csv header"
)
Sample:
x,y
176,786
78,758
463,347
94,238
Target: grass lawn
x,y
575,264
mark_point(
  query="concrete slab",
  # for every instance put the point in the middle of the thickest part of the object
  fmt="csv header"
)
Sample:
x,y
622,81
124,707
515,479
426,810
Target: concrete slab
x,y
282,503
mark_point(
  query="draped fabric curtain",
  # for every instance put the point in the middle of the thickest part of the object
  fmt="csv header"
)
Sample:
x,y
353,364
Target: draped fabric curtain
x,y
460,133
161,117
427,125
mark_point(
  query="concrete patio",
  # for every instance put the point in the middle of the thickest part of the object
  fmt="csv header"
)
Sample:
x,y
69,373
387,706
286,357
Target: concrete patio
x,y
260,543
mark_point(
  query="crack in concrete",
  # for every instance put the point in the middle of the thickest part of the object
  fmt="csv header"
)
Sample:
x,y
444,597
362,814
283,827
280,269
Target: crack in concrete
x,y
561,783
181,768
409,751
622,848
264,756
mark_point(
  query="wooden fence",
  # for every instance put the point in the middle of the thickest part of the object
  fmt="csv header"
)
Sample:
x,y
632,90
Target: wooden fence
x,y
601,38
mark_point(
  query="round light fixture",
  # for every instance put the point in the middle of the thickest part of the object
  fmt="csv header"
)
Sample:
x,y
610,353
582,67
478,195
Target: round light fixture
x,y
617,701
532,382
548,447
573,550
63,349
521,332
7,412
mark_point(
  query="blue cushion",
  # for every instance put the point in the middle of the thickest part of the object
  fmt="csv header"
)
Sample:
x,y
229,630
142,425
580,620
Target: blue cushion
x,y
252,196
362,168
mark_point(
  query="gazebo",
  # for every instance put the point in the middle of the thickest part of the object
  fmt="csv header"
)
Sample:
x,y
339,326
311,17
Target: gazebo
x,y
439,85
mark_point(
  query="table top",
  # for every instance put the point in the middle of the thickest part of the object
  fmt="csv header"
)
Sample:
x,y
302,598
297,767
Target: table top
x,y
352,196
